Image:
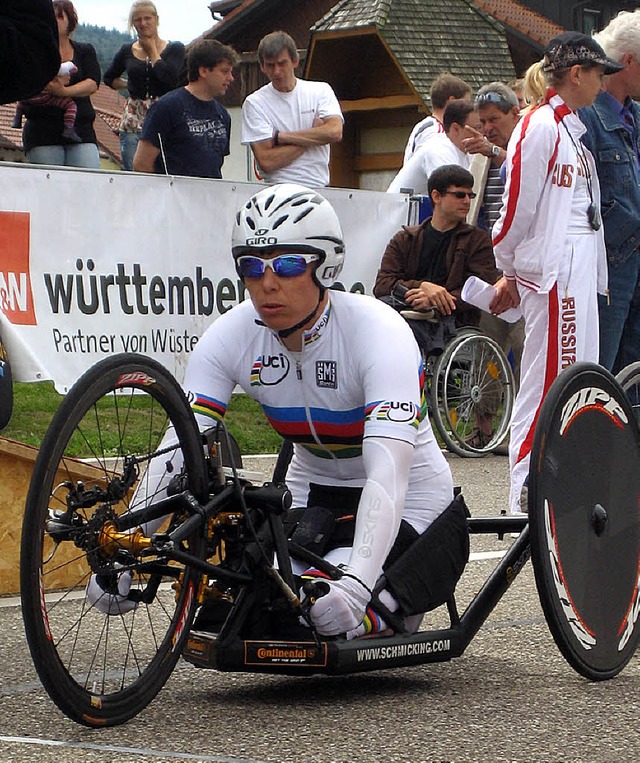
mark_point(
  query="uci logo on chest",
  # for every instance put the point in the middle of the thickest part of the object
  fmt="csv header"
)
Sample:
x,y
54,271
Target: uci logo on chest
x,y
272,369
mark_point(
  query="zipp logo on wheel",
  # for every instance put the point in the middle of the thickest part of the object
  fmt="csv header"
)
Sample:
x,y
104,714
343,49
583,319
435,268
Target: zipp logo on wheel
x,y
136,377
589,398
16,295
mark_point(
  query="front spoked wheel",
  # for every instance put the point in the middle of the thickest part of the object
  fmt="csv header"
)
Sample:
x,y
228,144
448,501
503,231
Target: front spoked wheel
x,y
123,439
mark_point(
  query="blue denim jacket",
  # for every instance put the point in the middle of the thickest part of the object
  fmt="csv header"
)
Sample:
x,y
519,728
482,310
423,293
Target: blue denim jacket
x,y
611,145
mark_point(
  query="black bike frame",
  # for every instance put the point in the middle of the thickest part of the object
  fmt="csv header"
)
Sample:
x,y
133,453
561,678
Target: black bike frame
x,y
207,650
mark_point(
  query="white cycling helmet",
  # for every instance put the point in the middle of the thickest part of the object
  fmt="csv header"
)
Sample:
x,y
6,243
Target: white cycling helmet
x,y
290,216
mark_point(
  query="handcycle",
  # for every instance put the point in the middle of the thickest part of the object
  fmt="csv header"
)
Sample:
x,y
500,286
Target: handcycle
x,y
223,542
469,382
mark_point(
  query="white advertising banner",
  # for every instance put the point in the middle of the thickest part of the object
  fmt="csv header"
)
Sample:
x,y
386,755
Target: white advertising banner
x,y
96,263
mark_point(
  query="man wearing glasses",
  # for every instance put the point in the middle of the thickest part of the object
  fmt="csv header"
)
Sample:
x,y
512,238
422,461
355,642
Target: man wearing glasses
x,y
338,374
497,108
435,258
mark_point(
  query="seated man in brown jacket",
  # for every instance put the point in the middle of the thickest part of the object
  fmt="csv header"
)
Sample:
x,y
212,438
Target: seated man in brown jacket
x,y
435,258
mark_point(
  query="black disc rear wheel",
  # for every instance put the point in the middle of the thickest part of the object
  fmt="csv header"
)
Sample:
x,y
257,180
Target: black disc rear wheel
x,y
97,464
584,493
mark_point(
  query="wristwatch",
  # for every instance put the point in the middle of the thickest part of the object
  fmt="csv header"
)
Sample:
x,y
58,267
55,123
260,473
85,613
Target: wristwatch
x,y
495,150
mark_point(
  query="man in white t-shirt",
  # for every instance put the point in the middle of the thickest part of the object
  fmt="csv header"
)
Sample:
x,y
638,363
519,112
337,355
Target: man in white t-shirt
x,y
290,122
444,148
445,88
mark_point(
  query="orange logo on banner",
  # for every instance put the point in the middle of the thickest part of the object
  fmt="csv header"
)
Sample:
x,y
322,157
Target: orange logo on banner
x,y
16,297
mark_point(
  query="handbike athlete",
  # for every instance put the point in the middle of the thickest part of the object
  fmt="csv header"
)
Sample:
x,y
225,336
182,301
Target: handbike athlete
x,y
339,375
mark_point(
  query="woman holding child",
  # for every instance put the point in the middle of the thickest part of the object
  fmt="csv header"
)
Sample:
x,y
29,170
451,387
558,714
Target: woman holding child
x,y
42,135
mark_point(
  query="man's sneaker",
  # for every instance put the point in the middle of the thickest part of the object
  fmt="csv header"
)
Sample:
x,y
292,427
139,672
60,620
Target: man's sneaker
x,y
524,503
524,496
478,439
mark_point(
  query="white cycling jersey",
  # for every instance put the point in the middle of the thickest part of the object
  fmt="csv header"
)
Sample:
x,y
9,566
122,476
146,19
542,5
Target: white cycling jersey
x,y
359,375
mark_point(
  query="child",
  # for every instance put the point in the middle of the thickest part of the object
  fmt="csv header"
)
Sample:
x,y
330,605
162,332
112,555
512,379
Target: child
x,y
46,99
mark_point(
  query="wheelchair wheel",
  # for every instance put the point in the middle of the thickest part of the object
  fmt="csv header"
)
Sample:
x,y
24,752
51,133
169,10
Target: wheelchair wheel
x,y
584,492
97,462
471,395
629,379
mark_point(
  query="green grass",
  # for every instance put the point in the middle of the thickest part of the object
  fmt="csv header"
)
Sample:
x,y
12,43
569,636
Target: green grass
x,y
35,404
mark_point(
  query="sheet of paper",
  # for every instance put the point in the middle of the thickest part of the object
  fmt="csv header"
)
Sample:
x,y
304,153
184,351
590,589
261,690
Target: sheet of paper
x,y
480,293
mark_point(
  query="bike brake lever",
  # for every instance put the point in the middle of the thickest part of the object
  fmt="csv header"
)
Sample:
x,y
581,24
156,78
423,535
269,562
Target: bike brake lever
x,y
313,590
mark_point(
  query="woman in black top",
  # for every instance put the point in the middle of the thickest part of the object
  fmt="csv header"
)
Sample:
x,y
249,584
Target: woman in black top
x,y
152,66
42,133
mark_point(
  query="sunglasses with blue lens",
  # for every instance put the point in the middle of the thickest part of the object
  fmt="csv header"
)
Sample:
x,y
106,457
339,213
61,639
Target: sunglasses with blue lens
x,y
284,265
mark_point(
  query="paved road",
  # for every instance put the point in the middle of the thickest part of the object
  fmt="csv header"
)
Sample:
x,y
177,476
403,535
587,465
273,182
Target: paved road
x,y
510,697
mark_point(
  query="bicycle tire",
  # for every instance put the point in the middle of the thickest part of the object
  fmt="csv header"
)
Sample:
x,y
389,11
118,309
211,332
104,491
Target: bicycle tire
x,y
584,488
472,378
101,670
629,379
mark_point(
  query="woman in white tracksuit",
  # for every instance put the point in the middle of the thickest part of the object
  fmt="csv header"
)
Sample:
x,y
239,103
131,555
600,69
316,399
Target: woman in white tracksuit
x,y
548,240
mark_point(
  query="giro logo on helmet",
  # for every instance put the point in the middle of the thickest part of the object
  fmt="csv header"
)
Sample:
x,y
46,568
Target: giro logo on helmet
x,y
262,241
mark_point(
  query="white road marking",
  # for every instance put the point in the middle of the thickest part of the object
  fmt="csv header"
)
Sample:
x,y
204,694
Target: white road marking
x,y
157,754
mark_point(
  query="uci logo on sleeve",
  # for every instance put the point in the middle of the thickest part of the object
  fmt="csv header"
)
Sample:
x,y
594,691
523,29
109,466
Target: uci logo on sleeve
x,y
401,412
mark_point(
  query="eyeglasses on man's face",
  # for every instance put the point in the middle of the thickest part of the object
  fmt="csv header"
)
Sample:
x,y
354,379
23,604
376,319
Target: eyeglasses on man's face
x,y
462,194
285,265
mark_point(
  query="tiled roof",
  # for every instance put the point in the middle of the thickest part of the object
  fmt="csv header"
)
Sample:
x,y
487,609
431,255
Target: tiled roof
x,y
10,137
427,37
236,13
522,19
353,14
108,106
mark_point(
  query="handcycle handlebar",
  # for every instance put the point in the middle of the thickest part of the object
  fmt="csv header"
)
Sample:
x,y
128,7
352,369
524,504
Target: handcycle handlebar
x,y
273,499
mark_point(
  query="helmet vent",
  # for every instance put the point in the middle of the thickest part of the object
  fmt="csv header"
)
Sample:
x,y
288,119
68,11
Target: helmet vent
x,y
302,214
279,221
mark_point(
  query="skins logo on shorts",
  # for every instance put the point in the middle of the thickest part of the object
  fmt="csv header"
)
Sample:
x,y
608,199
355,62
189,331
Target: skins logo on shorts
x,y
16,295
269,370
135,377
590,398
400,412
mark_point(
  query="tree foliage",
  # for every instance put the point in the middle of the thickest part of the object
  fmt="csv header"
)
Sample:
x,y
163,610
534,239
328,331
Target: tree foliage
x,y
106,41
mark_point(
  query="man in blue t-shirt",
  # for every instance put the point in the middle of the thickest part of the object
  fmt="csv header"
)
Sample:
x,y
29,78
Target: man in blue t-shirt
x,y
186,132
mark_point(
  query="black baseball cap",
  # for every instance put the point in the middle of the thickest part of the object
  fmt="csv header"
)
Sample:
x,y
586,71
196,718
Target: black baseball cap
x,y
571,48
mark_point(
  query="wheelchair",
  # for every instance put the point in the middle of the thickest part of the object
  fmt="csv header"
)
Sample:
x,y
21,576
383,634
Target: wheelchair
x,y
469,383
